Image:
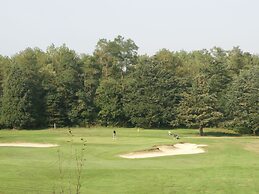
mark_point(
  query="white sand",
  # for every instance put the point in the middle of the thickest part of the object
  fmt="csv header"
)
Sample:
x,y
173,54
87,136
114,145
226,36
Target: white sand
x,y
167,150
29,145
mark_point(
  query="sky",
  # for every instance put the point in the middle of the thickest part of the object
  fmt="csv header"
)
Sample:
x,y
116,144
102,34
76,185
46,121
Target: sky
x,y
151,24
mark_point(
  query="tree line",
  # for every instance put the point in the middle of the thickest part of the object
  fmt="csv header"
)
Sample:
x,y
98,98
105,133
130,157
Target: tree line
x,y
115,86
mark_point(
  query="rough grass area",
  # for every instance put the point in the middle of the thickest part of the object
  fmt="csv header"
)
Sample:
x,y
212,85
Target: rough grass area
x,y
230,164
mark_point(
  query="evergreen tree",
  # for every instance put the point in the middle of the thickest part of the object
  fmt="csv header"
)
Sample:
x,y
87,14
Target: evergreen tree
x,y
109,100
198,107
151,95
22,101
91,79
65,102
243,101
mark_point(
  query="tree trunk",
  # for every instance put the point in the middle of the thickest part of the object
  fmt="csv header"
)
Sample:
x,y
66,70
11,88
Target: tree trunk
x,y
201,130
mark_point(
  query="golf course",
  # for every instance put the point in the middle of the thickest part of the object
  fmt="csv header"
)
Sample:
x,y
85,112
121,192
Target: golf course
x,y
229,163
129,97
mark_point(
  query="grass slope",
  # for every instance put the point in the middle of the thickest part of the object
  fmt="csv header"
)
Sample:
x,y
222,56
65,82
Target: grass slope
x,y
230,164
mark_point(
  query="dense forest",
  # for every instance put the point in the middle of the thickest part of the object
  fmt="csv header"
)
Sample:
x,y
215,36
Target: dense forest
x,y
115,86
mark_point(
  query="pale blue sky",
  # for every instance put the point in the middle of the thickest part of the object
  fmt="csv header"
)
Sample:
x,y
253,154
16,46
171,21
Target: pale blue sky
x,y
152,24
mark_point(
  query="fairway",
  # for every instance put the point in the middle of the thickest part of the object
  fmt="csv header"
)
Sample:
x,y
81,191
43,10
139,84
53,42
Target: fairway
x,y
229,164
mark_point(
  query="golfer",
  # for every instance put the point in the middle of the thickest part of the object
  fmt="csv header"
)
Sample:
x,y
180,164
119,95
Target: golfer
x,y
114,135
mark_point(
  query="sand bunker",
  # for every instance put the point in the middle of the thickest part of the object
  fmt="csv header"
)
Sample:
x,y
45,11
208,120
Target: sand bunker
x,y
28,145
166,150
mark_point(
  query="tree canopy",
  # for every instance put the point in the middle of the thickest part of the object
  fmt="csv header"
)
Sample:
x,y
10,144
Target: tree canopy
x,y
116,86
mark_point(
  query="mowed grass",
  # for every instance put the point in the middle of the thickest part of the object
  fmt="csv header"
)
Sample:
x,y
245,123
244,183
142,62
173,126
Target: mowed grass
x,y
230,164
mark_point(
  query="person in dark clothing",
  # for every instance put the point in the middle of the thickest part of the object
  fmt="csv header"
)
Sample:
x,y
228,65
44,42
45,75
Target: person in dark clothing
x,y
114,135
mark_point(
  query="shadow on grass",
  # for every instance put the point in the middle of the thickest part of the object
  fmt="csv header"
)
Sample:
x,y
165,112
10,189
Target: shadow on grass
x,y
220,134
